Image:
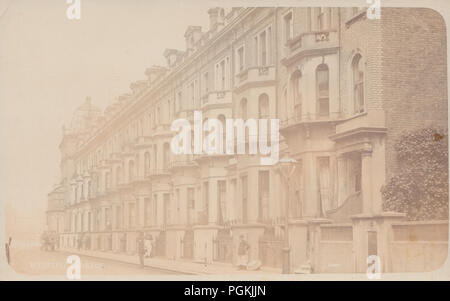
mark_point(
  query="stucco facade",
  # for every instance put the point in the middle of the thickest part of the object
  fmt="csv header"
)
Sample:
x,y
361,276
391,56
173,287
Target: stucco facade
x,y
343,86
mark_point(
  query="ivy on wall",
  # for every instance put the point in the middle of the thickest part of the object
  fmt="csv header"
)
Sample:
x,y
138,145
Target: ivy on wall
x,y
420,188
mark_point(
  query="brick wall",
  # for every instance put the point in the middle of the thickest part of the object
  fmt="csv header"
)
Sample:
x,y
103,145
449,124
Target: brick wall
x,y
414,73
358,34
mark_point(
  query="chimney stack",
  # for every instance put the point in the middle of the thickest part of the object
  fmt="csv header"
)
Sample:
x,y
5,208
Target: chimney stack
x,y
216,18
192,35
171,56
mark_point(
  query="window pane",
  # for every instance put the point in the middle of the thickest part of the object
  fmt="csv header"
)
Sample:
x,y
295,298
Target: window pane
x,y
358,83
241,58
322,80
264,106
263,49
324,108
244,109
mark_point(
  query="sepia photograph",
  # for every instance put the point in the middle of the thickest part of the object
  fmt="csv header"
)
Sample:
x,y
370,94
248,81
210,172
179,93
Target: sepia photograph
x,y
225,140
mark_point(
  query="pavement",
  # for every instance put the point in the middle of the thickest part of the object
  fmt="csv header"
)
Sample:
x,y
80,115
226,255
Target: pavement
x,y
180,265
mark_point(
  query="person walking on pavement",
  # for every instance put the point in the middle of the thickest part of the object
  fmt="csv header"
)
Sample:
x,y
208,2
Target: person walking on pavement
x,y
243,253
140,248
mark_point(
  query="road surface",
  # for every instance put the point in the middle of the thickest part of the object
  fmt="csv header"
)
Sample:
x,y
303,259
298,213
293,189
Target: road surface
x,y
32,261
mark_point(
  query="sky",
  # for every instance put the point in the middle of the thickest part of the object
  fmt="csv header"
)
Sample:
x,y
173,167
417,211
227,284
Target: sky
x,y
50,64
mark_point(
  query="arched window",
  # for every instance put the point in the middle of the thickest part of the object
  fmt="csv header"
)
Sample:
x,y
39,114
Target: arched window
x,y
297,94
243,108
263,106
322,87
147,163
358,84
131,170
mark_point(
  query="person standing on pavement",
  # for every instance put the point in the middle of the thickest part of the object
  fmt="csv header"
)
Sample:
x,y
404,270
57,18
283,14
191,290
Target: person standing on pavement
x,y
148,245
140,248
243,253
